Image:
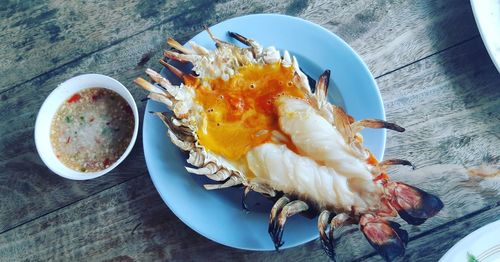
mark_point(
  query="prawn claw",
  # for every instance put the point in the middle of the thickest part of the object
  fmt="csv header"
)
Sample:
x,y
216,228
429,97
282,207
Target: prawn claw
x,y
385,236
413,205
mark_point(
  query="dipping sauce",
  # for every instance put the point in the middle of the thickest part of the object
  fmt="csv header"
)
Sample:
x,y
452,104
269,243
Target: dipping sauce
x,y
92,129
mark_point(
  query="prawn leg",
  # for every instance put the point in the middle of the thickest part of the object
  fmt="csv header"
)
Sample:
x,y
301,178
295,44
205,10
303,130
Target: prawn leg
x,y
325,219
230,182
182,58
279,213
173,43
255,47
321,90
259,188
393,162
375,123
244,198
177,72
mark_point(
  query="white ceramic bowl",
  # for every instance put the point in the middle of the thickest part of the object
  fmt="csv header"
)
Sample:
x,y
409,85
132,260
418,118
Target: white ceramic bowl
x,y
52,103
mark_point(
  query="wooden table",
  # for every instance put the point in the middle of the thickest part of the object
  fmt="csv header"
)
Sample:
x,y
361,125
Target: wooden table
x,y
428,59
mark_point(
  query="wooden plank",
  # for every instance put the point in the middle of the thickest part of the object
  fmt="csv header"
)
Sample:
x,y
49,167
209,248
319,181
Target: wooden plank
x,y
392,34
463,95
40,36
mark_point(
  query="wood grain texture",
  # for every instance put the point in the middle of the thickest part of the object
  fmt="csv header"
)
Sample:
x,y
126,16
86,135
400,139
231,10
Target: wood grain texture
x,y
39,36
102,226
449,105
389,34
448,101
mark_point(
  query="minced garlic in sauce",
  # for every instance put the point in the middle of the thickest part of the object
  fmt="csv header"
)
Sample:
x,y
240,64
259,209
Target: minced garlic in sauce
x,y
92,129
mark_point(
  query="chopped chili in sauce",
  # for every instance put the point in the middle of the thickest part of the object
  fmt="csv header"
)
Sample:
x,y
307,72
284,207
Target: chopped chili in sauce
x,y
92,129
74,98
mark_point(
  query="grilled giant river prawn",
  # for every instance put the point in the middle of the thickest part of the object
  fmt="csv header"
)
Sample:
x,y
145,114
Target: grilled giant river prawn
x,y
247,117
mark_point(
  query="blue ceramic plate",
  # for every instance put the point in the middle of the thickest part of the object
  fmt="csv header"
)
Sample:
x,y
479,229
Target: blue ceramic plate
x,y
218,215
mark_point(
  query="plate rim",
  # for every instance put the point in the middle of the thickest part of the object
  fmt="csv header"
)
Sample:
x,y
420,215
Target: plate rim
x,y
486,39
454,250
364,67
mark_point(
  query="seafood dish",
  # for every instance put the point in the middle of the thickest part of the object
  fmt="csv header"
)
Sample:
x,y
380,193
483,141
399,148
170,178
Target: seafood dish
x,y
247,117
